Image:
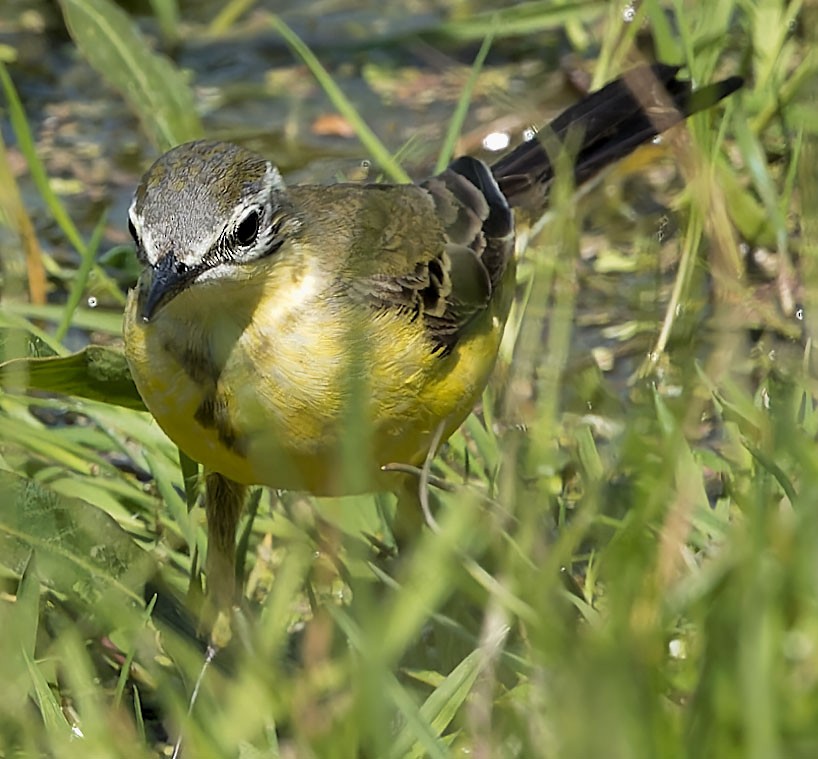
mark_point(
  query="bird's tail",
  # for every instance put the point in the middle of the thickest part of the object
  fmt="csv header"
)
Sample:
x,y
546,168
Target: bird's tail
x,y
603,127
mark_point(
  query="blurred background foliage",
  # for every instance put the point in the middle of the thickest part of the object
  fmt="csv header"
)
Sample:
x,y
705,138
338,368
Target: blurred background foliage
x,y
627,565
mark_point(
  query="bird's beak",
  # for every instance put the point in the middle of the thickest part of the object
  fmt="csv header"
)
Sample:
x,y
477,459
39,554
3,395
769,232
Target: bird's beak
x,y
161,283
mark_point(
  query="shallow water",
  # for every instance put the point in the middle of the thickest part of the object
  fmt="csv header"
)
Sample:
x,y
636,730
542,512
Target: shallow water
x,y
249,88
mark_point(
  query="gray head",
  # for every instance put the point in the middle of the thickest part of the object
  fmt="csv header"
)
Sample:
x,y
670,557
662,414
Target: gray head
x,y
201,211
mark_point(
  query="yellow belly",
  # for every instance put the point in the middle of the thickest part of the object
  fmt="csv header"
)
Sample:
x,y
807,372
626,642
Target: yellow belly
x,y
310,399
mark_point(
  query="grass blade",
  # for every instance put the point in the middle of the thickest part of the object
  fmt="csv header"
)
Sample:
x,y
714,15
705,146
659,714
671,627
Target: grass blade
x,y
367,137
459,116
151,83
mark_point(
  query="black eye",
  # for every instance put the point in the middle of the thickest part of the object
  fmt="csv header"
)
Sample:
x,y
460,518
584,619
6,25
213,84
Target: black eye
x,y
132,231
247,230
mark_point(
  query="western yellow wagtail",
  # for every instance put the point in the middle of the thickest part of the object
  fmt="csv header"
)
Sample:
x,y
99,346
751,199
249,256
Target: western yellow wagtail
x,y
265,315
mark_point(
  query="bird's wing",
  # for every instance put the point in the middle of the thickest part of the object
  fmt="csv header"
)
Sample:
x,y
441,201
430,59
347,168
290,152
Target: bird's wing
x,y
436,250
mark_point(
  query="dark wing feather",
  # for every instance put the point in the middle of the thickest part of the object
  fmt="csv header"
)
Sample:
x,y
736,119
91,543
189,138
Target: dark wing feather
x,y
438,249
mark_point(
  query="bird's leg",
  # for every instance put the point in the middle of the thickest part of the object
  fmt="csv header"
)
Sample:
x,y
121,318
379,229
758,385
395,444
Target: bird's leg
x,y
224,500
414,493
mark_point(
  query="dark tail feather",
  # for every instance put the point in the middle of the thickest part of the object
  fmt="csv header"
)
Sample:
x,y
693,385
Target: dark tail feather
x,y
608,125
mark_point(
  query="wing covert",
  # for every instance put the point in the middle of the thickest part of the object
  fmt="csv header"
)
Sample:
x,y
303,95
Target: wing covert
x,y
455,235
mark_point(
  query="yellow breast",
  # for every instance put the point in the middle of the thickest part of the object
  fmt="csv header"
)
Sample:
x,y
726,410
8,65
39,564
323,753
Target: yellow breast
x,y
274,383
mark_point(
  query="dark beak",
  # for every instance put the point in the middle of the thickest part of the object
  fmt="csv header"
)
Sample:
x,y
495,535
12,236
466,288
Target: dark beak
x,y
163,282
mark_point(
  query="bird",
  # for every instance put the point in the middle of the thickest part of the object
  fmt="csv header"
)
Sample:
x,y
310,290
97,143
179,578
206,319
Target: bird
x,y
304,337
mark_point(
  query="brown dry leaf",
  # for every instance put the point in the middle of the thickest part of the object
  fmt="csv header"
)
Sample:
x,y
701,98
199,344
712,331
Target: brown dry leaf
x,y
332,125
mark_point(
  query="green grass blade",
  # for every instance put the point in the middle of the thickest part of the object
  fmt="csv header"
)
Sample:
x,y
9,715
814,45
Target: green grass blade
x,y
445,701
151,83
459,116
25,141
91,319
230,13
167,15
96,373
124,672
521,18
54,720
81,278
367,137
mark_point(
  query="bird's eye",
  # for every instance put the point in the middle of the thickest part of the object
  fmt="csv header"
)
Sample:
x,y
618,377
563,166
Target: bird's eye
x,y
247,230
132,231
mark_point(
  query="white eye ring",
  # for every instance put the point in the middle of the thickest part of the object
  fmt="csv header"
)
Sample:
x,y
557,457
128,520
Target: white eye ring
x,y
246,231
132,231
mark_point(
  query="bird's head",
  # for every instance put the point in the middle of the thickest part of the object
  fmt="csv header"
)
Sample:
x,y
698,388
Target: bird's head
x,y
205,212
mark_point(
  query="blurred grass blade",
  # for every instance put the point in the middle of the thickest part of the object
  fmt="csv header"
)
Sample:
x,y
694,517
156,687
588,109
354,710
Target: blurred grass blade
x,y
768,462
588,454
19,622
231,12
154,87
96,373
54,720
25,141
756,161
42,443
769,192
459,116
176,505
665,37
367,137
13,208
14,313
521,19
81,278
167,15
798,81
444,702
415,726
27,606
125,671
139,720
